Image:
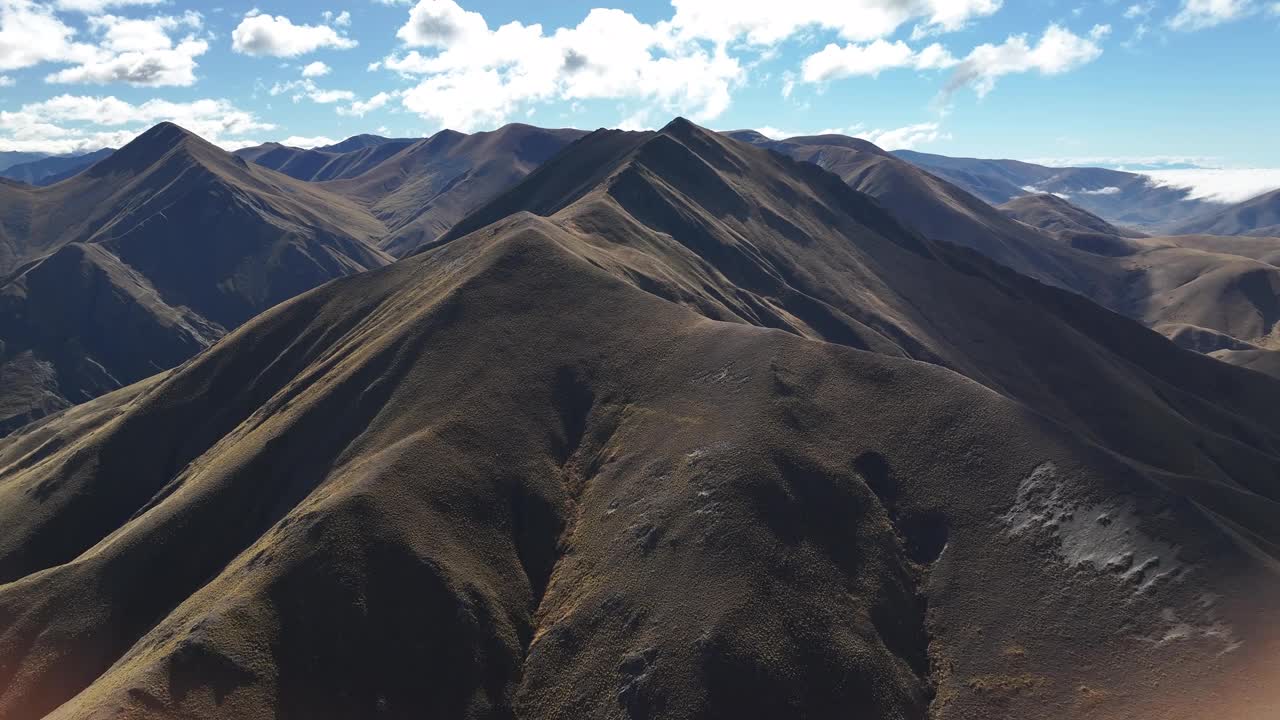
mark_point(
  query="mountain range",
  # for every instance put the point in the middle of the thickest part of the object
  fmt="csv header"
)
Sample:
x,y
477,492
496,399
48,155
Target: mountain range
x,y
49,170
672,424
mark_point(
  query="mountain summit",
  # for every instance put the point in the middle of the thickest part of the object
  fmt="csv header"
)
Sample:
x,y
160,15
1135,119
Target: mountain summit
x,y
676,427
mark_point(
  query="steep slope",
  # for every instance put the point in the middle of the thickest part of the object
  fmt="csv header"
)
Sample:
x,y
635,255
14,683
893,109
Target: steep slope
x,y
149,256
943,211
1123,198
50,170
1259,217
427,187
349,158
1054,214
1190,289
512,477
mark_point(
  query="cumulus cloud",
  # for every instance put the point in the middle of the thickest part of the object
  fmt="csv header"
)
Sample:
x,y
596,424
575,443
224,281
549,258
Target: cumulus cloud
x,y
1139,10
94,7
308,90
140,52
276,35
308,142
767,22
906,138
342,19
1057,51
315,70
31,34
903,138
834,61
6,81
360,108
81,123
1201,14
475,76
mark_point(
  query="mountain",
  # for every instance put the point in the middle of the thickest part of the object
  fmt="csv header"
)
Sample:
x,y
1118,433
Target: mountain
x,y
1122,198
677,427
150,255
1259,217
9,158
349,158
1054,214
941,210
1209,294
47,171
425,188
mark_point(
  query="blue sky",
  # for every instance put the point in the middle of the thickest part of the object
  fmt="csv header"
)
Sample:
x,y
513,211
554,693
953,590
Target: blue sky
x,y
1114,82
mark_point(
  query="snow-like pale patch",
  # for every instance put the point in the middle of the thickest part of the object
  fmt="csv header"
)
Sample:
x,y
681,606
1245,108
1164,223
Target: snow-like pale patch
x,y
1107,537
1219,185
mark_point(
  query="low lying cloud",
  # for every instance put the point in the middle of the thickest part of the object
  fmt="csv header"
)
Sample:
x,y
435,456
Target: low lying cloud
x,y
1219,185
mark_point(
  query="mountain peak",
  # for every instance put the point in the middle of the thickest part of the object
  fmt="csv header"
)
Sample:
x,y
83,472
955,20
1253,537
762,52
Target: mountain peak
x,y
147,148
681,127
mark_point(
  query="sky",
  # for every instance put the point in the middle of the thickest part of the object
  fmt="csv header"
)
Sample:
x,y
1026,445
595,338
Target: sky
x,y
1121,83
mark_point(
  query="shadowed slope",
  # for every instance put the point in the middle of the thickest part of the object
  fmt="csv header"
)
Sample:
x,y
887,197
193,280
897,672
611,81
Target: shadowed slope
x,y
427,187
1120,197
1259,217
1052,213
1212,287
512,477
150,255
350,158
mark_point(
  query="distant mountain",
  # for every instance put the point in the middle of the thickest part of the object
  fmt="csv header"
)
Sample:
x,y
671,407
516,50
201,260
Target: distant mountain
x,y
422,190
50,170
150,255
676,427
349,158
9,158
1259,217
1052,213
1121,198
1190,289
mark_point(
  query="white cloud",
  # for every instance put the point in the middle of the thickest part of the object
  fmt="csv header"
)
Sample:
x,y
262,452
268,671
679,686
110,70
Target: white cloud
x,y
767,22
834,61
1201,14
315,70
80,123
307,89
1058,51
6,81
360,108
906,138
1219,185
308,142
342,19
478,77
93,7
139,52
31,34
1139,10
1102,191
277,36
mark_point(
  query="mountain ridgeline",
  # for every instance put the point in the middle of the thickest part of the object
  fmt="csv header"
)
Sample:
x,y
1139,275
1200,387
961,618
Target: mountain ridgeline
x,y
671,426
